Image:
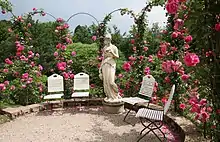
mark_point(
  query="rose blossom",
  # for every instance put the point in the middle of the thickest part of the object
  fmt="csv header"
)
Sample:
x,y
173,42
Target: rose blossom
x,y
191,59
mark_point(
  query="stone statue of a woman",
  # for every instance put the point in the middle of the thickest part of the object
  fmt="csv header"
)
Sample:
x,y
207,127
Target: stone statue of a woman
x,y
107,70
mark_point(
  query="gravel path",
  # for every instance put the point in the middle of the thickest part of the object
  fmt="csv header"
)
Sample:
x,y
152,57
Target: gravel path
x,y
87,125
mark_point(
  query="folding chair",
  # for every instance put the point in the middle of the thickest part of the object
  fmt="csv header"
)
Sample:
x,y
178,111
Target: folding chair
x,y
154,116
81,86
55,88
144,96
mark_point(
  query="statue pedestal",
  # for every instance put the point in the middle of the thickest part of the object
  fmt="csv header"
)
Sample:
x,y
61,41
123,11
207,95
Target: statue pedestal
x,y
113,107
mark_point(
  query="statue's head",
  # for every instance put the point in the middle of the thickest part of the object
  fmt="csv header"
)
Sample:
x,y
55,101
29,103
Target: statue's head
x,y
108,39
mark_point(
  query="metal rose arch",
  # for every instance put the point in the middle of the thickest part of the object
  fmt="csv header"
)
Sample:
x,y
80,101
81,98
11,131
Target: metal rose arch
x,y
83,13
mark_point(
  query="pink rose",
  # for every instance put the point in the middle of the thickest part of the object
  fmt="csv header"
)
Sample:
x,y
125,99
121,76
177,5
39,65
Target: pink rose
x,y
126,66
63,47
6,83
65,75
69,62
2,87
167,79
147,71
60,20
217,27
174,35
12,87
182,106
73,53
191,59
120,75
188,38
132,41
71,76
43,13
94,38
25,76
145,48
5,70
8,61
92,86
185,77
55,54
61,66
40,67
172,6
59,45
34,9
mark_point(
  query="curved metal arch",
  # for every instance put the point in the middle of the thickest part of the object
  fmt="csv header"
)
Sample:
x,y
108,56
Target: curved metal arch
x,y
50,15
84,13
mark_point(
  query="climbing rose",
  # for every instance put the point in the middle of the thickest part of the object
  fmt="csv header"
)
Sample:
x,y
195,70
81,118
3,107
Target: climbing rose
x,y
73,53
61,66
132,41
217,27
94,38
174,35
188,38
12,87
126,66
185,77
2,86
120,75
182,106
5,70
172,6
55,54
191,59
147,71
8,61
25,76
59,20
145,48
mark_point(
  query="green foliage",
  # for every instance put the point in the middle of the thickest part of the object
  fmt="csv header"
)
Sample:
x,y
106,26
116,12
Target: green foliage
x,y
84,34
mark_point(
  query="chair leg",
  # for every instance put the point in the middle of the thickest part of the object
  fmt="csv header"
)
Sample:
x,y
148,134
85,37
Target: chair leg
x,y
126,117
151,129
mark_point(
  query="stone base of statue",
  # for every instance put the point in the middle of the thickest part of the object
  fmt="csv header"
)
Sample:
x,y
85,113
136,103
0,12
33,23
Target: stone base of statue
x,y
113,107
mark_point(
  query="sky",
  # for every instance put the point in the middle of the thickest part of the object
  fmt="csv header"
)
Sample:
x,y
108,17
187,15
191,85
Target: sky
x,y
97,8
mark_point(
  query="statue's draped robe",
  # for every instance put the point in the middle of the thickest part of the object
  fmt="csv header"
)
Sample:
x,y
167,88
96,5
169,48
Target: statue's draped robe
x,y
108,68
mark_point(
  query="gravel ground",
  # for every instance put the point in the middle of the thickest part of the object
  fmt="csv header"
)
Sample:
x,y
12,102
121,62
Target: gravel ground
x,y
85,125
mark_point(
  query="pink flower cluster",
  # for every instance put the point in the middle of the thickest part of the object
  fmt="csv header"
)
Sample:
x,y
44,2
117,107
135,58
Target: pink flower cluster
x,y
172,6
171,66
68,75
61,66
126,66
25,78
191,59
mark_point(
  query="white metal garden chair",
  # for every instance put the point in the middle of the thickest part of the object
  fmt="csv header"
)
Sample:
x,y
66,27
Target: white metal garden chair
x,y
154,116
145,94
55,88
81,86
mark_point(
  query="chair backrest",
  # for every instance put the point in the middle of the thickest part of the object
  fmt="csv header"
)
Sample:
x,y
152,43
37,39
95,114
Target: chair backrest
x,y
147,86
55,83
81,81
167,105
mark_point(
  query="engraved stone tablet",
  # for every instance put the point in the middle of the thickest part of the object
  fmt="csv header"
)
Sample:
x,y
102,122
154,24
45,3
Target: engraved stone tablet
x,y
55,83
147,85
